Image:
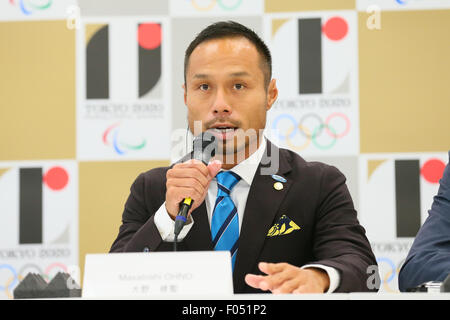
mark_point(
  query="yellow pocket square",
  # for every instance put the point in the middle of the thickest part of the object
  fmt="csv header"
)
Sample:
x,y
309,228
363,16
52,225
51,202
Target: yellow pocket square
x,y
282,227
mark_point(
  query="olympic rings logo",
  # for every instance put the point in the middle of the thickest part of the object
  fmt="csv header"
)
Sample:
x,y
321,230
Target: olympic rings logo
x,y
16,277
390,274
310,132
212,3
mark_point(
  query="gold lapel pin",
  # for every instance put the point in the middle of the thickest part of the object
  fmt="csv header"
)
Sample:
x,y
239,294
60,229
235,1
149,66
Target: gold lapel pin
x,y
278,186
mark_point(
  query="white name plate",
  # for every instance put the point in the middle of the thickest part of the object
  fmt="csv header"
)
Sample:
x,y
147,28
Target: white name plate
x,y
157,273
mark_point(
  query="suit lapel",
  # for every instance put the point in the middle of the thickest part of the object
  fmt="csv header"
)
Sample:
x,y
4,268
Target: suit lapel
x,y
262,205
199,237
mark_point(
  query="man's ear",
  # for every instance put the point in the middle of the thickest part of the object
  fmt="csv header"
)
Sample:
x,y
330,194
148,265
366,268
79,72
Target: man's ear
x,y
272,93
185,94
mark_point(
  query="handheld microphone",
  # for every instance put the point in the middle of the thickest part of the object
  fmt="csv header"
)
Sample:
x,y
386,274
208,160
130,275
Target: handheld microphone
x,y
204,149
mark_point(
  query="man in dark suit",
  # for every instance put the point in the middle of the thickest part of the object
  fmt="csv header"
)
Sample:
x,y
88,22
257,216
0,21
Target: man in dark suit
x,y
290,226
429,257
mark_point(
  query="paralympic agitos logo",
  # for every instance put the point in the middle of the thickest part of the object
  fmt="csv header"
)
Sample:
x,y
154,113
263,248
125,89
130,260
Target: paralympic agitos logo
x,y
123,71
113,136
28,7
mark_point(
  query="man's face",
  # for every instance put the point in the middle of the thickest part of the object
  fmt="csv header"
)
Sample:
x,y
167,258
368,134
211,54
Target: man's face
x,y
225,90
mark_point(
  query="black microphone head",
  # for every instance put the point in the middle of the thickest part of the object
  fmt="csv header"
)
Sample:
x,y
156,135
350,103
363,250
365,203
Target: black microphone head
x,y
204,146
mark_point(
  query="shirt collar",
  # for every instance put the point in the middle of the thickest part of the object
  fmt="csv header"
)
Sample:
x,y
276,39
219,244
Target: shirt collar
x,y
246,169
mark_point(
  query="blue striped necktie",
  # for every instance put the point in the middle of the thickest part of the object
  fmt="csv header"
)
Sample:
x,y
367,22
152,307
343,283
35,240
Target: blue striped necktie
x,y
225,221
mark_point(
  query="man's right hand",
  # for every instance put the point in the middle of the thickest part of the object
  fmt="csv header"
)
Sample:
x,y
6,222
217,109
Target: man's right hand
x,y
189,179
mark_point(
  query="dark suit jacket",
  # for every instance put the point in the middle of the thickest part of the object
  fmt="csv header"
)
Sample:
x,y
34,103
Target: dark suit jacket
x,y
429,256
315,197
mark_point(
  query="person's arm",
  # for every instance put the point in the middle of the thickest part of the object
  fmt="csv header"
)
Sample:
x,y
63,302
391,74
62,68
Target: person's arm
x,y
287,278
334,279
138,231
160,187
166,225
339,243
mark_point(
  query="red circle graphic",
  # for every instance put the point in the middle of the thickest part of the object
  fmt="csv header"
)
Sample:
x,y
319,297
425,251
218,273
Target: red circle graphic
x,y
335,28
149,35
432,170
56,178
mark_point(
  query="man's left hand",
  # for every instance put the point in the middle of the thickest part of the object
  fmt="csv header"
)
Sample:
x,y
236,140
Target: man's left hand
x,y
286,278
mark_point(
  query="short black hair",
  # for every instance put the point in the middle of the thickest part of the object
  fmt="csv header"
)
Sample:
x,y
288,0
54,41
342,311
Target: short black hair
x,y
230,29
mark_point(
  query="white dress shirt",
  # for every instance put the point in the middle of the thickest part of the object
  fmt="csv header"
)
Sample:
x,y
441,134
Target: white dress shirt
x,y
246,169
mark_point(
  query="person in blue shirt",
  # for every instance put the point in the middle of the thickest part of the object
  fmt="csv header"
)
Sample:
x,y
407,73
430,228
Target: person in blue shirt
x,y
429,256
